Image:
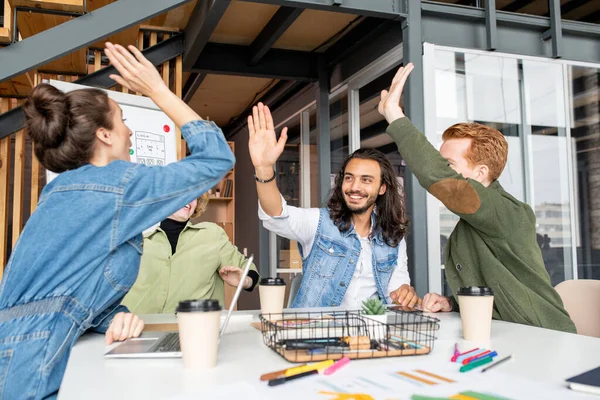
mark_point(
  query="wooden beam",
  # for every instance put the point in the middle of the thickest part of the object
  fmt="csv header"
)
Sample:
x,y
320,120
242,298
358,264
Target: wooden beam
x,y
97,60
153,38
181,146
5,173
18,186
6,31
166,71
35,168
58,5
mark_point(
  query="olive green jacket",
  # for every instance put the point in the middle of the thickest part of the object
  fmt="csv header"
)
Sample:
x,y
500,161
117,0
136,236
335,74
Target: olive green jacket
x,y
494,243
191,273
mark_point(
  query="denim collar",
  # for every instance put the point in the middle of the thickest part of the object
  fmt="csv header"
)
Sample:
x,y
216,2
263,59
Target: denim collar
x,y
376,235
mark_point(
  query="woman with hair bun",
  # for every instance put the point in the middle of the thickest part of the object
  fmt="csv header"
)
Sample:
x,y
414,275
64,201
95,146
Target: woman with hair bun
x,y
79,252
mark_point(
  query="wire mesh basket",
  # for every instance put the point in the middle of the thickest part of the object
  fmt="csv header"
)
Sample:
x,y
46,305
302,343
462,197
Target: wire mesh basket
x,y
320,335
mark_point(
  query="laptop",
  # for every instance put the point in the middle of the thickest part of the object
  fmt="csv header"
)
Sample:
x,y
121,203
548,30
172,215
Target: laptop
x,y
166,344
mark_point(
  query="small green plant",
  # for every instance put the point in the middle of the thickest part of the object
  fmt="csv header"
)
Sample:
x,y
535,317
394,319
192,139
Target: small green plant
x,y
373,306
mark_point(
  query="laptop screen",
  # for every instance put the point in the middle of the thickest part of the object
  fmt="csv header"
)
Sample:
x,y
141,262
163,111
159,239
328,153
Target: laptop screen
x,y
238,291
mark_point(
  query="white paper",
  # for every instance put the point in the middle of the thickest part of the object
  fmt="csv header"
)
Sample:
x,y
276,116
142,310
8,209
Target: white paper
x,y
387,383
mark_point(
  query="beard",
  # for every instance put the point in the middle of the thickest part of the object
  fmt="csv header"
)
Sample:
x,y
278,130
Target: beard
x,y
360,209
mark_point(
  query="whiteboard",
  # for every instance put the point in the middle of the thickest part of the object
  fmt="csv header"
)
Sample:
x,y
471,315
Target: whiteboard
x,y
153,136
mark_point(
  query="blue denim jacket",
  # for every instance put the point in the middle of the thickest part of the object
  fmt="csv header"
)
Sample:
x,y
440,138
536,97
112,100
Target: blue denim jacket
x,y
80,251
328,268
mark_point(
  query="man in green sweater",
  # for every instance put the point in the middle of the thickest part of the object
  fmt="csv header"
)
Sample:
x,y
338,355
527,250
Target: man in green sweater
x,y
494,243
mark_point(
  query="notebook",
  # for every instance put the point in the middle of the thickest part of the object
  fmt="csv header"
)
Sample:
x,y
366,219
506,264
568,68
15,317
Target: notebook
x,y
588,382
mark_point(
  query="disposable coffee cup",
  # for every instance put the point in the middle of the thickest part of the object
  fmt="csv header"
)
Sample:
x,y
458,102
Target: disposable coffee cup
x,y
272,296
199,323
476,304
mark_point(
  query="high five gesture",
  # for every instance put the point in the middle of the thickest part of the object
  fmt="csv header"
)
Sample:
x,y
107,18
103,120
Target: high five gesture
x,y
389,105
265,149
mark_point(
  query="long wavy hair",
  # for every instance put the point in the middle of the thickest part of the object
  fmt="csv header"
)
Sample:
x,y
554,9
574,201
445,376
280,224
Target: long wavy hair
x,y
390,217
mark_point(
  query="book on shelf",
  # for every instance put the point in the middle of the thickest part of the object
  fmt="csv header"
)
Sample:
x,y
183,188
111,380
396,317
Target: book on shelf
x,y
227,190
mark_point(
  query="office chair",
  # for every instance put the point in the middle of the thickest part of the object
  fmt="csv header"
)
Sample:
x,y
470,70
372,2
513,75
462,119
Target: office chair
x,y
582,301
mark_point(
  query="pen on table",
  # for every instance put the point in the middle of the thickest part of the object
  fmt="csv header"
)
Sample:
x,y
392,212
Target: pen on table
x,y
473,365
497,363
272,375
338,364
477,358
456,353
279,381
309,367
464,356
467,352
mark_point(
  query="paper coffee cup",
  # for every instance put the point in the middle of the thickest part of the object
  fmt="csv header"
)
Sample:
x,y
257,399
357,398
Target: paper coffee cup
x,y
199,322
476,305
272,297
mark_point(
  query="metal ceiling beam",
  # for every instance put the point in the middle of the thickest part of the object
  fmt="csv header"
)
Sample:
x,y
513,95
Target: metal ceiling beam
x,y
491,27
464,27
390,9
77,33
555,31
192,84
202,23
157,55
14,120
279,23
229,59
362,34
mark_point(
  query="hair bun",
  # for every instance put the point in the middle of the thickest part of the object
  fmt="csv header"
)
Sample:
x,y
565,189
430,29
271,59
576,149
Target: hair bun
x,y
47,115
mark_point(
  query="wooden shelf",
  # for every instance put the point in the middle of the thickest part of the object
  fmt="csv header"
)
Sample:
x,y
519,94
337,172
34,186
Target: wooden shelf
x,y
220,198
221,211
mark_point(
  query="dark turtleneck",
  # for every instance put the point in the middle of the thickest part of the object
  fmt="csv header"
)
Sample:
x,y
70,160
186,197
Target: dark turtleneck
x,y
172,228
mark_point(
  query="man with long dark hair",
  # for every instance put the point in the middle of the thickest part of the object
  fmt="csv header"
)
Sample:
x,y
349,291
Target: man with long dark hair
x,y
352,250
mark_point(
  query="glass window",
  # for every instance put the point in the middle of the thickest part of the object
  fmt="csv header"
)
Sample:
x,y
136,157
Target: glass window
x,y
338,110
585,133
524,100
288,180
314,160
550,196
484,89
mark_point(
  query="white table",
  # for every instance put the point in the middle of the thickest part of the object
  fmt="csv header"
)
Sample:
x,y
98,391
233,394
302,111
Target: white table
x,y
540,354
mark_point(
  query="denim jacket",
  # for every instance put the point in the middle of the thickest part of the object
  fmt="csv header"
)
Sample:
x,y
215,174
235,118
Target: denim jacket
x,y
328,269
80,251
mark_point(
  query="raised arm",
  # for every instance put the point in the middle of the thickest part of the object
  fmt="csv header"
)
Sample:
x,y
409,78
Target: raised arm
x,y
467,198
265,149
150,194
139,75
